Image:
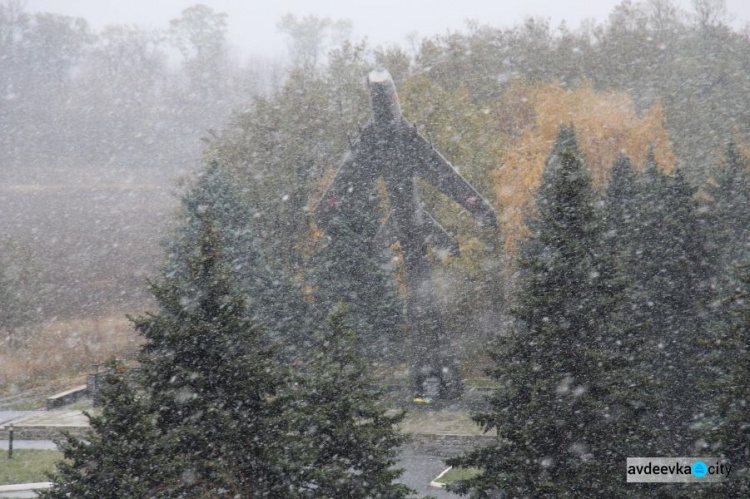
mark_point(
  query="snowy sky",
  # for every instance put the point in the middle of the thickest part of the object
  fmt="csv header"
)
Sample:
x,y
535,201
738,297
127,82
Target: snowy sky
x,y
252,23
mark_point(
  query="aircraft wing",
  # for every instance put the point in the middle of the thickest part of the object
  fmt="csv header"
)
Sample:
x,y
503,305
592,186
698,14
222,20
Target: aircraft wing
x,y
353,181
436,170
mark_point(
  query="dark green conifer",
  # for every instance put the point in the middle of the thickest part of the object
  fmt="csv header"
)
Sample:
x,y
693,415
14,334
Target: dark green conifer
x,y
273,297
724,429
727,429
123,455
620,210
729,217
669,287
218,412
346,429
565,418
213,379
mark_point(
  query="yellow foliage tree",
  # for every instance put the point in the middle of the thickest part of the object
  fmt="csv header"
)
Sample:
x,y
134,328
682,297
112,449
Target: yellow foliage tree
x,y
464,132
606,125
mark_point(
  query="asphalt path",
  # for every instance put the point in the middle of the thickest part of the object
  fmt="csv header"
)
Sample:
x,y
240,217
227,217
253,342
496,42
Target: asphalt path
x,y
29,444
8,416
419,470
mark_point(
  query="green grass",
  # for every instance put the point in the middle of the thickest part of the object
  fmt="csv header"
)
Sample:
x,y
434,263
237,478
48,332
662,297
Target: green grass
x,y
27,465
481,383
86,404
458,474
440,422
27,405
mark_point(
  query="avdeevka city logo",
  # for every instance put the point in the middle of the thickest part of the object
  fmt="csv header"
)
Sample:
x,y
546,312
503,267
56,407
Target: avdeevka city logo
x,y
699,469
677,469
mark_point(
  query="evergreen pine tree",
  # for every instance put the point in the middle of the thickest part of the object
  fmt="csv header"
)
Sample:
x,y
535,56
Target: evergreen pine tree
x,y
729,216
636,392
345,428
217,415
350,270
562,412
728,432
620,210
123,455
724,429
669,287
273,297
213,379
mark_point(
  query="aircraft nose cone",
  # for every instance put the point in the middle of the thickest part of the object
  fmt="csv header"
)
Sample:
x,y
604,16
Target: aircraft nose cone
x,y
383,98
379,75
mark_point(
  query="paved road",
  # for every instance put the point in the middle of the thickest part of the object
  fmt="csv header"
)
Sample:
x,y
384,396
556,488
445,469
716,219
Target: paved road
x,y
8,416
419,470
58,417
29,444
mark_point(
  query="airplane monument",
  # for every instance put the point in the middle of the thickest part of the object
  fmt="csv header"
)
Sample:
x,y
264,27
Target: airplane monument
x,y
390,146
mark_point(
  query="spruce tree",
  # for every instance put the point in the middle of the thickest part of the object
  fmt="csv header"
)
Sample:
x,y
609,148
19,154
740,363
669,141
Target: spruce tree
x,y
724,429
636,392
272,295
216,413
620,210
213,379
727,430
669,277
348,432
123,455
562,412
350,270
729,217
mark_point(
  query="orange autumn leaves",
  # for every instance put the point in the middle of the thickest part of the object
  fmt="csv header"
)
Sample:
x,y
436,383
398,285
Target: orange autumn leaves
x,y
606,125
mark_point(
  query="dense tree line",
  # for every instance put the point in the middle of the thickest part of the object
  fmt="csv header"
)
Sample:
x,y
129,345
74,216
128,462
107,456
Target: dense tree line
x,y
75,97
63,82
485,97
